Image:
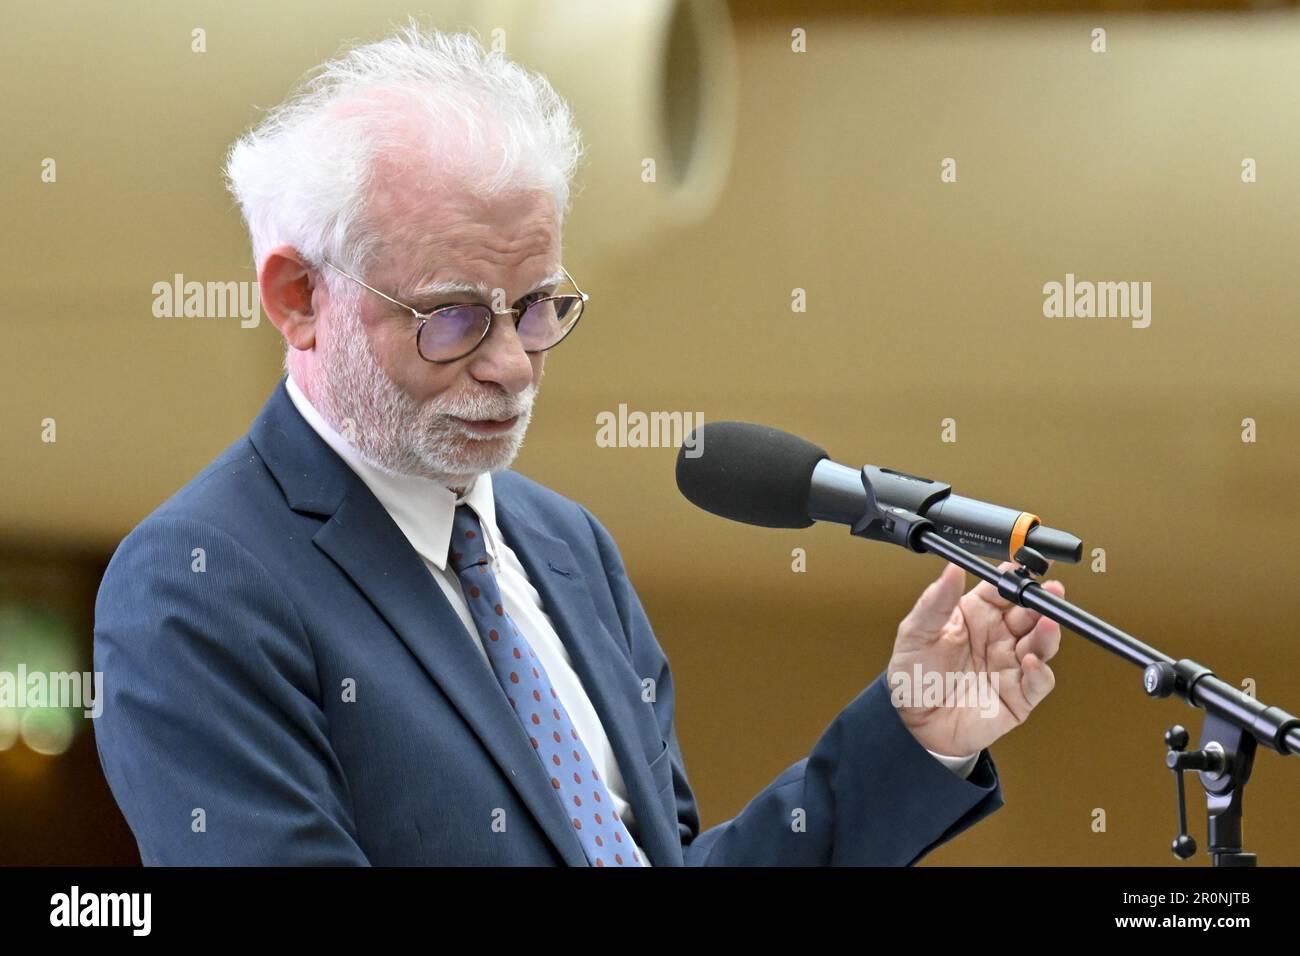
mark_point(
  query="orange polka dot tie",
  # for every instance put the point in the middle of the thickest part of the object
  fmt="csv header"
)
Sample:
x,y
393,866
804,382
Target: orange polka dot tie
x,y
575,781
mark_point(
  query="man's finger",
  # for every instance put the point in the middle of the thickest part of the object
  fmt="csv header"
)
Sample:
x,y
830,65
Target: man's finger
x,y
1021,620
935,605
989,593
1042,642
1037,680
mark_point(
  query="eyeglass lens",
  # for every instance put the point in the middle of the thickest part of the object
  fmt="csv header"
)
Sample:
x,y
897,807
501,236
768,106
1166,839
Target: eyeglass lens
x,y
454,331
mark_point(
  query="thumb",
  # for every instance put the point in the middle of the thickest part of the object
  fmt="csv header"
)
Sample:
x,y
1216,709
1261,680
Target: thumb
x,y
936,603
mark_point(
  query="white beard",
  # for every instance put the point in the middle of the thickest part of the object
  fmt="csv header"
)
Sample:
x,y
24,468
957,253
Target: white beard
x,y
392,431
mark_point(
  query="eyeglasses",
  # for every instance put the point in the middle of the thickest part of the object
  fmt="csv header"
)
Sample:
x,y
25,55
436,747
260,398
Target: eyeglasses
x,y
450,332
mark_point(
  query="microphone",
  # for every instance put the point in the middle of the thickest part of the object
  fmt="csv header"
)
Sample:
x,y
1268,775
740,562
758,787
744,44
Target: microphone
x,y
766,477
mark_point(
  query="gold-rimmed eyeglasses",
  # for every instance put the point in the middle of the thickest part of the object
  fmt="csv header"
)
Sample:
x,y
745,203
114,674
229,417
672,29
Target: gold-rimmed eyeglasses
x,y
451,332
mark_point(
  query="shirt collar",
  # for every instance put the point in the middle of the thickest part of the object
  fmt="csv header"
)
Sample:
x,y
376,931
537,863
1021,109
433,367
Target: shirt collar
x,y
421,507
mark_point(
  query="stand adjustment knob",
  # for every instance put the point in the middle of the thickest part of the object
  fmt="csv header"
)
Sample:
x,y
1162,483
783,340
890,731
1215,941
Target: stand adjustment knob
x,y
1159,680
1177,738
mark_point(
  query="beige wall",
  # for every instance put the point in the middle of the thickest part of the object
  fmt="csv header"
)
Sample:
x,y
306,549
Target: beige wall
x,y
925,303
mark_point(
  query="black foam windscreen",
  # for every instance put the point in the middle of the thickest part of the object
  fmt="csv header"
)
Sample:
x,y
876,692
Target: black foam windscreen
x,y
748,473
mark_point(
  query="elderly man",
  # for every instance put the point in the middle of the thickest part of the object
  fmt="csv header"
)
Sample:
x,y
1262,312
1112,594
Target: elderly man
x,y
357,637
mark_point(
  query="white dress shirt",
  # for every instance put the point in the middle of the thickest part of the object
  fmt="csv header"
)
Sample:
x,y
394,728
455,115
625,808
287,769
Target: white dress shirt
x,y
423,509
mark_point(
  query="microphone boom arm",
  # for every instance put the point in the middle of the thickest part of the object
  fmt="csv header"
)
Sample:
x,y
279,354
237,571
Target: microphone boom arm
x,y
1235,722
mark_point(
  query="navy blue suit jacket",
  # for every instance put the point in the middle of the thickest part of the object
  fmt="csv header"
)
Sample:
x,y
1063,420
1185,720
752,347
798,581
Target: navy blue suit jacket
x,y
227,739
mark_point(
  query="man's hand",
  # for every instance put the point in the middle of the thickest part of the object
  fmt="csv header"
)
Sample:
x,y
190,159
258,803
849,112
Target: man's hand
x,y
978,650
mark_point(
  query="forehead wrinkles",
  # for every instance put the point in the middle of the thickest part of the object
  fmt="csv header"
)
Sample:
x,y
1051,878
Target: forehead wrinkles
x,y
504,237
446,232
480,256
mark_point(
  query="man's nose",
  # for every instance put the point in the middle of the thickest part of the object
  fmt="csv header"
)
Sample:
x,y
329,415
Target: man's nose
x,y
501,358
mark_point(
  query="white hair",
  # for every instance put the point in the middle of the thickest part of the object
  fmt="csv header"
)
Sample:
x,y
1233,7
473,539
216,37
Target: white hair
x,y
483,123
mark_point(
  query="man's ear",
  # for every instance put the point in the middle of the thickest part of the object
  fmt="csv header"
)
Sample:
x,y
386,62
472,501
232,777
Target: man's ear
x,y
286,283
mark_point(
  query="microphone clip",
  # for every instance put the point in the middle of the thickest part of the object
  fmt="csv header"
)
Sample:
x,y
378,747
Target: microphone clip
x,y
889,524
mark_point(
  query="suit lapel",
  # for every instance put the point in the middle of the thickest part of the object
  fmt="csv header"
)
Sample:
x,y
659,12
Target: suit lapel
x,y
362,539
607,677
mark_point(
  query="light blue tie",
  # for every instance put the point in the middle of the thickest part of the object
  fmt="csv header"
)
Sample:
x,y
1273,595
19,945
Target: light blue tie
x,y
576,782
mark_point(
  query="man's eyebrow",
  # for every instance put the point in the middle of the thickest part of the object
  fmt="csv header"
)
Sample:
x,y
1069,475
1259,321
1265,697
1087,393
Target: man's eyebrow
x,y
482,290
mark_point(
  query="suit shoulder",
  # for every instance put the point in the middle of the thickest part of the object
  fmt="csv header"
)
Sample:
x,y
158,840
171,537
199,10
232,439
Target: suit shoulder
x,y
561,516
228,522
234,494
511,485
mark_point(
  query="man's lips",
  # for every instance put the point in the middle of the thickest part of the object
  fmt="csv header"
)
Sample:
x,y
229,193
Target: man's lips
x,y
488,426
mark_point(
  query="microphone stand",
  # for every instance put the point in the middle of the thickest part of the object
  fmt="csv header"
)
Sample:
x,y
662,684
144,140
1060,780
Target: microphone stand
x,y
1234,725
